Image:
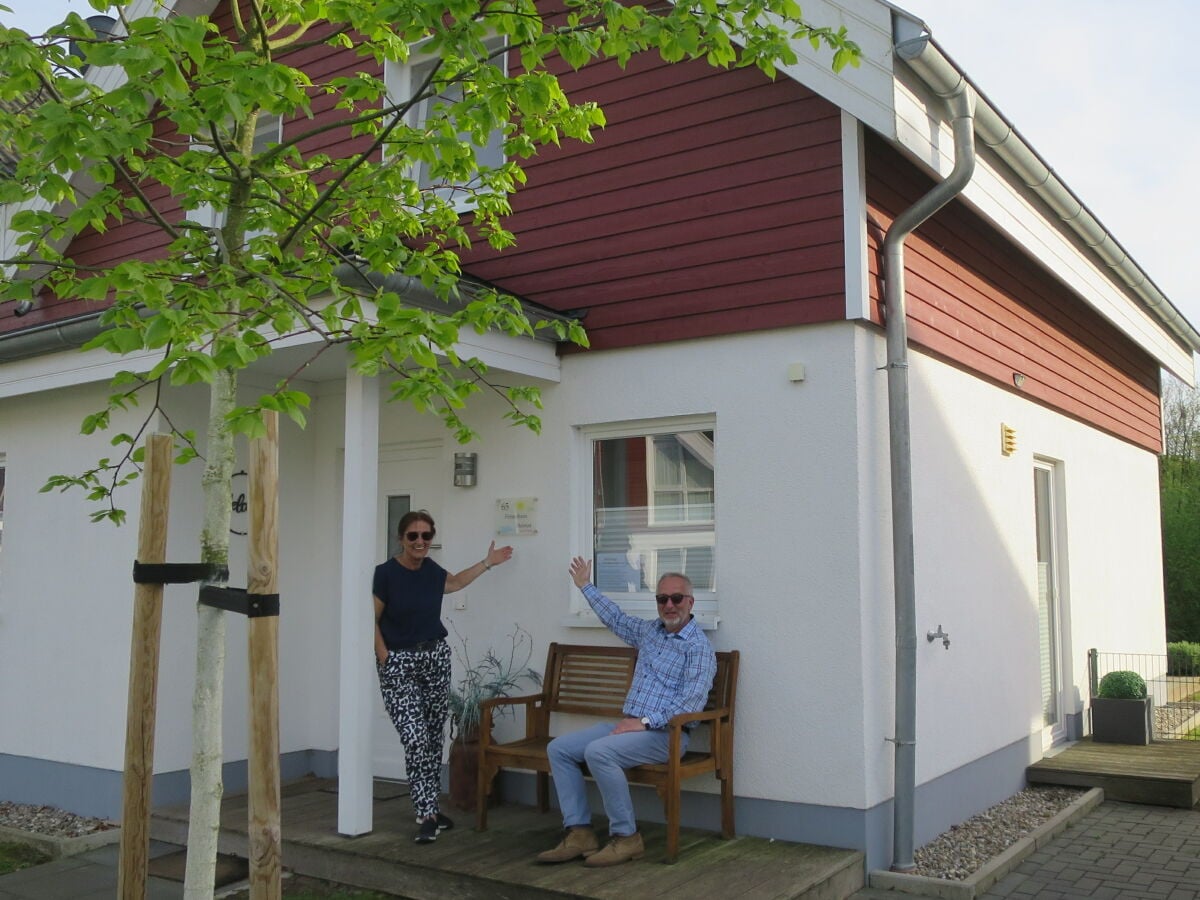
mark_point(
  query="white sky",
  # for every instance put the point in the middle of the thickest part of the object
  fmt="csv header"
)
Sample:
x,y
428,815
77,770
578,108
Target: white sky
x,y
1105,91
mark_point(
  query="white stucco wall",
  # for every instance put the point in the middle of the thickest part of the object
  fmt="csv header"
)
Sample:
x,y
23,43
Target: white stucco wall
x,y
66,593
976,566
803,557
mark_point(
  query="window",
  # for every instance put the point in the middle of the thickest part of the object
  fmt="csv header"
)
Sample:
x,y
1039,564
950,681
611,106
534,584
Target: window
x,y
651,509
403,79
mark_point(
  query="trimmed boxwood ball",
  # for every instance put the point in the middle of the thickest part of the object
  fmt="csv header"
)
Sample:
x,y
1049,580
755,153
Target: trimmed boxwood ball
x,y
1122,685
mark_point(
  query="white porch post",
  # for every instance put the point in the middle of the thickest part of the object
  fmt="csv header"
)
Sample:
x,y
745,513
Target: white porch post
x,y
357,685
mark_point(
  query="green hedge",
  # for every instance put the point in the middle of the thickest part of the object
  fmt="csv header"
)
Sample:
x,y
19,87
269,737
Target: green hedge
x,y
1183,658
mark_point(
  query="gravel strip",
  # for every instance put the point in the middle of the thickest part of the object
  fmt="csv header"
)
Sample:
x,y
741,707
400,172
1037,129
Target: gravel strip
x,y
50,821
957,853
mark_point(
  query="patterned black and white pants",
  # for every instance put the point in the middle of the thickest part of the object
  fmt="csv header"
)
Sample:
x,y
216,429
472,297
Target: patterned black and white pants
x,y
416,695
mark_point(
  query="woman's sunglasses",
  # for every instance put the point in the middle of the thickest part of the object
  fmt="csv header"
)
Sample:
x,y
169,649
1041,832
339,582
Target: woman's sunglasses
x,y
423,535
677,599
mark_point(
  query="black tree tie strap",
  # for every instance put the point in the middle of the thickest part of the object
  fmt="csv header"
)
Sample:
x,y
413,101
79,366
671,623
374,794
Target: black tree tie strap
x,y
238,600
177,573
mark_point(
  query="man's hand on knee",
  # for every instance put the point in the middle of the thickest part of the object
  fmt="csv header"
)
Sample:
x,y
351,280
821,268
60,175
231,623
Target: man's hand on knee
x,y
628,724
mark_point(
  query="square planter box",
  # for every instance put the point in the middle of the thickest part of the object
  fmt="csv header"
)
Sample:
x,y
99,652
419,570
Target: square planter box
x,y
1122,721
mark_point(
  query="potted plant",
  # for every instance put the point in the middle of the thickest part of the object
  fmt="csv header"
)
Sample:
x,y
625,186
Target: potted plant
x,y
1122,713
492,676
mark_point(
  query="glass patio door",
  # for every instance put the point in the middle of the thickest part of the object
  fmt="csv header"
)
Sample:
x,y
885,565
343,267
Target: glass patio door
x,y
1048,597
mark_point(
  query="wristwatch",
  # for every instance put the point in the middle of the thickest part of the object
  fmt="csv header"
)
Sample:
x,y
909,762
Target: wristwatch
x,y
646,722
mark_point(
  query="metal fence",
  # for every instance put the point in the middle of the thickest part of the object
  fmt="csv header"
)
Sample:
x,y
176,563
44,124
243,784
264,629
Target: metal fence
x,y
1172,681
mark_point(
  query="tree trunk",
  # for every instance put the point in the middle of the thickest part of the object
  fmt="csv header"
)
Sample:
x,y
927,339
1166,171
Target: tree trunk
x,y
204,821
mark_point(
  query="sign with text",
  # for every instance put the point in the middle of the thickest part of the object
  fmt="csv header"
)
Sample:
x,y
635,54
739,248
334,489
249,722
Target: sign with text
x,y
516,515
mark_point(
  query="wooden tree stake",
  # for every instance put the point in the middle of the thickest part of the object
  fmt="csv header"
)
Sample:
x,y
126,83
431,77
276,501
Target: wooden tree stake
x,y
143,673
265,833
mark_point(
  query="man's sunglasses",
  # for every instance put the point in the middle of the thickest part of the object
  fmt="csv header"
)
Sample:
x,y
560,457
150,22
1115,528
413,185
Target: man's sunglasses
x,y
423,535
677,599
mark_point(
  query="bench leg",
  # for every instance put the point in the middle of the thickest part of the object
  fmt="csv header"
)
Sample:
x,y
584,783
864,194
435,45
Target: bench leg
x,y
487,775
670,798
543,791
727,830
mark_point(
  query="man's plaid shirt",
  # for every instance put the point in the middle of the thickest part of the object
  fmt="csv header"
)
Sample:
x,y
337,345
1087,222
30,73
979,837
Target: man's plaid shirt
x,y
674,672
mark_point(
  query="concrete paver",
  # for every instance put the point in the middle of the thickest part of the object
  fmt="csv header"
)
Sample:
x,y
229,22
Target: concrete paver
x,y
1117,850
89,875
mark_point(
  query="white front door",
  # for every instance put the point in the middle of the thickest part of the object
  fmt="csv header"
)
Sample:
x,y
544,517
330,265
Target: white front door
x,y
410,477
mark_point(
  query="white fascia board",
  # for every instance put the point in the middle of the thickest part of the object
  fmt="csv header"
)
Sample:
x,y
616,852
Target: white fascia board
x,y
854,219
864,92
521,356
1012,209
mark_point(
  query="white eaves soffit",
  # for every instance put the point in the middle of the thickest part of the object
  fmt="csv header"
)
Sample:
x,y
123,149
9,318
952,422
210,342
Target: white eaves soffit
x,y
998,193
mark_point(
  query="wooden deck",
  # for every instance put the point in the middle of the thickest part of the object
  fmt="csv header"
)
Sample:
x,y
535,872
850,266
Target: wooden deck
x,y
1164,773
468,865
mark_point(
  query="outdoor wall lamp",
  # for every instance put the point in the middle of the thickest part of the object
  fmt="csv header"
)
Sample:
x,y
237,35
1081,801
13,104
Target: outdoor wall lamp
x,y
466,465
1018,380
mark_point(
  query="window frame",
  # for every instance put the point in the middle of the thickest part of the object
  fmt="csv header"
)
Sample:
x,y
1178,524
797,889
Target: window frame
x,y
637,603
397,79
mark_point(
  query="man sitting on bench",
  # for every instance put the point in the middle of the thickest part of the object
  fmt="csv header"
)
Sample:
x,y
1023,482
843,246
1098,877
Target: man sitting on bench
x,y
674,673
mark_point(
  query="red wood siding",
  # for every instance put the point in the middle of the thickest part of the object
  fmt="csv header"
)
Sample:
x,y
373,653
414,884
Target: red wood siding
x,y
710,204
975,300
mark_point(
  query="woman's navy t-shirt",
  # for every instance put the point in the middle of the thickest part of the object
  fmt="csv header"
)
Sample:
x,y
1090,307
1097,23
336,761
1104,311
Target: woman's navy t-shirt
x,y
412,603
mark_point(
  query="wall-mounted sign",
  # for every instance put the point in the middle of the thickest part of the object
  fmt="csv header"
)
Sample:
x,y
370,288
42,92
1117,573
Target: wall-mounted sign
x,y
516,515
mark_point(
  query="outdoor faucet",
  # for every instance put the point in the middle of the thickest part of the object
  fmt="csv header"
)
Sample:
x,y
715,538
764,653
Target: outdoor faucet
x,y
939,635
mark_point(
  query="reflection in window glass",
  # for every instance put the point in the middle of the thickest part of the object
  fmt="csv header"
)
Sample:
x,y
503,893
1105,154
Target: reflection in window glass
x,y
491,155
653,501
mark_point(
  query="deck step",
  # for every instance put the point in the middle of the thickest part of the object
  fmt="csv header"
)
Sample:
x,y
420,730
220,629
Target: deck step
x,y
1164,773
499,862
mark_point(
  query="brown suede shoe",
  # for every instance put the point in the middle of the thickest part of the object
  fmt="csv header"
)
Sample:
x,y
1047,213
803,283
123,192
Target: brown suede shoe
x,y
620,848
578,841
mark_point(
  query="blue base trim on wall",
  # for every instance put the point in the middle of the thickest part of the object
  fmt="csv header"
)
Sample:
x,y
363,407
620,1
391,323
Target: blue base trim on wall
x,y
89,791
945,801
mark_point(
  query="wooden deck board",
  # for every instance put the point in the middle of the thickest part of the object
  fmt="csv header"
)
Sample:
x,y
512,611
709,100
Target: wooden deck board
x,y
1164,773
464,864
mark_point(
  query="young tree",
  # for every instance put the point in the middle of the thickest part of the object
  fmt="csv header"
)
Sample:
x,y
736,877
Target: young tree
x,y
262,242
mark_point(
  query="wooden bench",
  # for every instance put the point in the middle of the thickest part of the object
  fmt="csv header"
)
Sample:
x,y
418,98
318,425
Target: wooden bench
x,y
594,681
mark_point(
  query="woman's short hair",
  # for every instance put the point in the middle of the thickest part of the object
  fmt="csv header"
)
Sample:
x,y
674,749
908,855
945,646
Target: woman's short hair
x,y
415,515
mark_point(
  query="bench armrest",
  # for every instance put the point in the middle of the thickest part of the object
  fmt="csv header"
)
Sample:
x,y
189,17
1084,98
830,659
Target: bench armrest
x,y
530,702
704,715
715,717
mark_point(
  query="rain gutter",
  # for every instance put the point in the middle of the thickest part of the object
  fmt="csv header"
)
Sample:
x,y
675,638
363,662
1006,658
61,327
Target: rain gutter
x,y
994,131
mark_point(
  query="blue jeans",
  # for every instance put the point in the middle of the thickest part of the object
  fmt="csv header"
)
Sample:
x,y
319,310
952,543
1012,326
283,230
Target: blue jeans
x,y
607,756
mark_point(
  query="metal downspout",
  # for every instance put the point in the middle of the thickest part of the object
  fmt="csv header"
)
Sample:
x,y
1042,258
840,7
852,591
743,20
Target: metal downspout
x,y
961,107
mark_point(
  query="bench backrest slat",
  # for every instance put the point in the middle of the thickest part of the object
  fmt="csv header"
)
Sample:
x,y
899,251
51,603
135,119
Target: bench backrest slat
x,y
594,680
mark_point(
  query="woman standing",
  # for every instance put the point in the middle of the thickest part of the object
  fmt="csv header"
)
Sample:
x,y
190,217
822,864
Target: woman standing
x,y
413,657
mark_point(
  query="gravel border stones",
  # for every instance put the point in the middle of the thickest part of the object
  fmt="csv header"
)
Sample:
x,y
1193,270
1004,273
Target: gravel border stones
x,y
967,838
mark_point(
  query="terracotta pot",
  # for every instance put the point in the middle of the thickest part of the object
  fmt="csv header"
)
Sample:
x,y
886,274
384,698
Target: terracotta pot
x,y
464,772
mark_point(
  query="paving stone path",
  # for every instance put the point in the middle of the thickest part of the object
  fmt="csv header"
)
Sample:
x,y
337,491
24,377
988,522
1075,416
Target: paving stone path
x,y
1121,850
